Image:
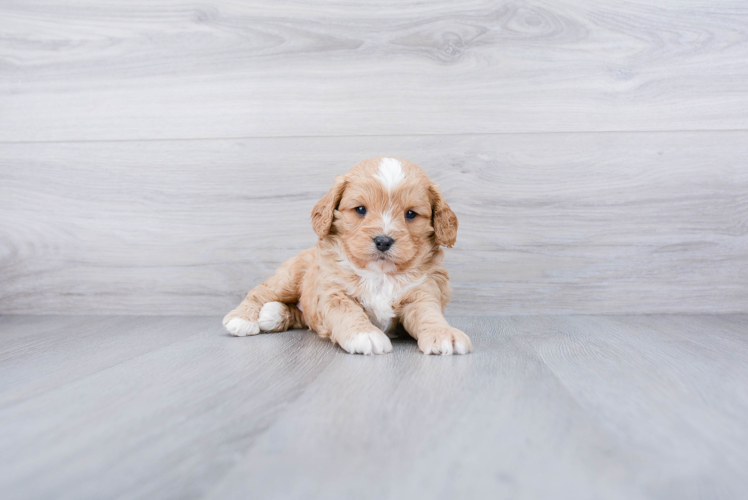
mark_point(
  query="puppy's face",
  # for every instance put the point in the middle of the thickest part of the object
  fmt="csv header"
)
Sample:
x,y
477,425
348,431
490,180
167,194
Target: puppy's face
x,y
386,215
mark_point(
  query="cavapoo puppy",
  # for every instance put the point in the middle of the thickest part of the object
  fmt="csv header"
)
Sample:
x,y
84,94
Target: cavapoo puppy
x,y
376,269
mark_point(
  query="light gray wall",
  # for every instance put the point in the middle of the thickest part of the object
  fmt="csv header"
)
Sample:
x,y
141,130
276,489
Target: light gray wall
x,y
162,157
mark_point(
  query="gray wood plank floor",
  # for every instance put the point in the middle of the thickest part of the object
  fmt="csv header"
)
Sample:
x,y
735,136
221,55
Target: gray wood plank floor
x,y
546,406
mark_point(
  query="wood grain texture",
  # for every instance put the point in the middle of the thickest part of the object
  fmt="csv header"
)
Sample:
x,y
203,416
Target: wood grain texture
x,y
666,380
549,223
549,406
118,69
54,353
160,424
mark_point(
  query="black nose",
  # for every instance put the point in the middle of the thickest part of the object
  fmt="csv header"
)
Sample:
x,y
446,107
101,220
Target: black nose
x,y
383,243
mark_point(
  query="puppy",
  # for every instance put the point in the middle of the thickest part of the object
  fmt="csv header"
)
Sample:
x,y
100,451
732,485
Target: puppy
x,y
376,269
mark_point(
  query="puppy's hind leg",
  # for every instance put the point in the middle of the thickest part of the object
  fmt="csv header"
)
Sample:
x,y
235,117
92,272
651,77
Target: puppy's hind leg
x,y
277,292
279,317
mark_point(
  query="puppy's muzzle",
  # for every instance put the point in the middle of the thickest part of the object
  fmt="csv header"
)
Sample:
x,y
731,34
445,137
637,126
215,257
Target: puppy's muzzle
x,y
383,243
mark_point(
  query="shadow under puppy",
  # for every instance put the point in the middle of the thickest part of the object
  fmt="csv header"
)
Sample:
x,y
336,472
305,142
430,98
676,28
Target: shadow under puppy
x,y
376,269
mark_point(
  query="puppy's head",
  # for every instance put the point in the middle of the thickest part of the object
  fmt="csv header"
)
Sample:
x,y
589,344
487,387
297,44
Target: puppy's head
x,y
386,215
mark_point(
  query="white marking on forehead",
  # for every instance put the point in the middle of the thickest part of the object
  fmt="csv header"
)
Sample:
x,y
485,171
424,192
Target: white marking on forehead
x,y
390,173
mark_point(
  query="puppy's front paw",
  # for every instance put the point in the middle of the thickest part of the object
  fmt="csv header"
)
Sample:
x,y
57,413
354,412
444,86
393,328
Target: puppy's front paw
x,y
444,341
369,342
241,327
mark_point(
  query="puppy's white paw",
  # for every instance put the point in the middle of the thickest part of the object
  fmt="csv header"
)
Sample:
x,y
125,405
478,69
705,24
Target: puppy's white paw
x,y
371,342
272,316
445,342
241,327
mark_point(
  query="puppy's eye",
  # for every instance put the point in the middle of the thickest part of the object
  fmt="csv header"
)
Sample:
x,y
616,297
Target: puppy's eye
x,y
361,210
410,214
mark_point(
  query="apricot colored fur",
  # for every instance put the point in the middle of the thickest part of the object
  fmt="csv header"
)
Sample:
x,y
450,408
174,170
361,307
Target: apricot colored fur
x,y
350,292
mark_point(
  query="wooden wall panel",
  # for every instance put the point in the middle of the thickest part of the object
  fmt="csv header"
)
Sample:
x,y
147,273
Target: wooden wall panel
x,y
162,157
169,69
579,223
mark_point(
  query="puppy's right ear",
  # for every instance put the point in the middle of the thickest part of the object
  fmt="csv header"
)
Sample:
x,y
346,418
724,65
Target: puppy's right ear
x,y
323,211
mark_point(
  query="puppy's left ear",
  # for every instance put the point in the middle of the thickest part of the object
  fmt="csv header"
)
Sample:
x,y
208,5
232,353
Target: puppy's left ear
x,y
443,218
323,211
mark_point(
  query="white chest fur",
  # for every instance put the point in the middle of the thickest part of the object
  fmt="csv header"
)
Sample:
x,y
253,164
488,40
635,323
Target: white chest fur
x,y
378,293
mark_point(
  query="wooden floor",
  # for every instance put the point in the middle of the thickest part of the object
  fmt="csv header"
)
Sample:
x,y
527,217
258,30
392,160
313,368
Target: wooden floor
x,y
546,407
